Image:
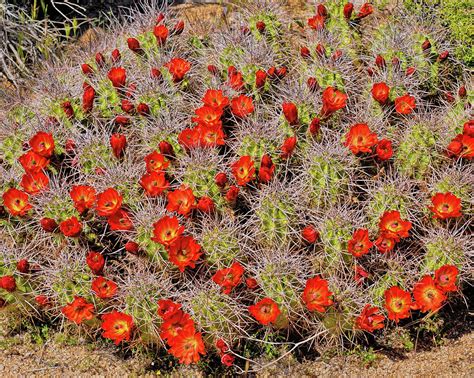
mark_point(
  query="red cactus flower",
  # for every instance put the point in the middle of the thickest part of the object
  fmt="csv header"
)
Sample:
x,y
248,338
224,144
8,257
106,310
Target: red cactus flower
x,y
118,77
159,18
215,99
161,33
304,52
184,252
120,221
316,295
267,168
213,69
87,69
95,261
210,136
178,28
167,230
315,126
42,143
348,8
260,79
321,10
70,227
206,205
167,308
265,311
8,283
228,278
178,68
108,202
394,225
132,247
188,138
208,116
115,55
445,278
243,170
320,50
156,162
288,147
468,128
380,61
43,301
380,92
23,266
181,200
232,194
34,183
260,25
88,98
443,56
227,359
333,100
462,146
100,59
221,179
445,205
118,142
78,310
312,84
385,242
384,149
310,234
290,111
32,162
359,274
397,303
68,109
360,138
154,183
175,324
235,79
370,319
187,346
48,224
360,243
104,288
410,71
242,106
251,283
317,22
16,202
83,197
134,45
122,120
365,10
143,109
117,326
405,104
427,295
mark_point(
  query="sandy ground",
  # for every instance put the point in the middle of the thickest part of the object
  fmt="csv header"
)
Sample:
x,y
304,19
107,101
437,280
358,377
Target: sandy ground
x,y
18,356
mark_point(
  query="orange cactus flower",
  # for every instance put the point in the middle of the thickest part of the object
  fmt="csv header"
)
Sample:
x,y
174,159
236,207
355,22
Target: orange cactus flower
x,y
265,311
167,230
445,278
71,227
392,224
103,288
333,100
228,278
108,202
187,346
405,104
398,303
445,205
83,197
156,162
178,68
32,162
428,297
154,183
360,244
117,326
215,99
16,202
243,170
370,319
184,252
78,310
360,138
43,144
181,200
380,92
316,295
242,106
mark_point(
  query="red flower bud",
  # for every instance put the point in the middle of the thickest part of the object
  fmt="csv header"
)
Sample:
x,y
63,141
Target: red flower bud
x,y
127,106
42,300
395,62
48,224
70,145
260,78
251,283
178,27
143,109
281,72
288,147
68,109
206,205
462,92
348,8
134,45
99,59
87,69
315,126
166,149
213,69
321,10
312,84
260,25
122,120
161,34
304,52
290,112
160,18
132,247
221,179
232,193
380,61
320,50
8,283
266,161
443,56
155,73
23,266
271,72
118,142
468,128
245,30
337,54
410,71
310,234
365,10
116,56
426,44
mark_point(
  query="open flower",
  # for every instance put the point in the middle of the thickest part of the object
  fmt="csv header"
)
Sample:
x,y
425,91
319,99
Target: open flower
x,y
290,111
241,106
215,99
34,183
397,303
175,324
184,252
360,138
71,227
83,197
8,283
405,104
445,205
78,310
462,146
228,278
181,200
208,116
333,100
103,288
243,170
385,242
445,278
95,261
120,221
395,226
360,243
16,202
108,202
167,308
154,183
187,346
370,319
380,92
265,311
42,143
384,149
167,230
161,33
316,295
178,68
428,297
117,76
117,326
156,162
32,162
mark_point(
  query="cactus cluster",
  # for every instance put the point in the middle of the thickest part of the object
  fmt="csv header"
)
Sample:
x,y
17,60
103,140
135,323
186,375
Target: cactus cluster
x,y
276,179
